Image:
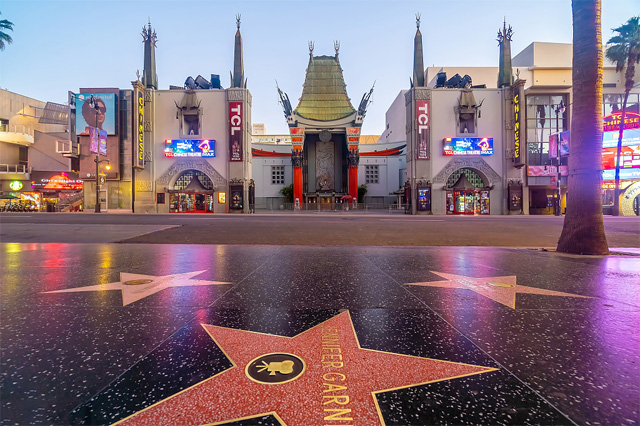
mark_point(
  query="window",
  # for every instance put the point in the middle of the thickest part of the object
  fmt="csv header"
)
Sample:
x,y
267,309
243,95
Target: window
x,y
613,103
542,122
371,174
277,175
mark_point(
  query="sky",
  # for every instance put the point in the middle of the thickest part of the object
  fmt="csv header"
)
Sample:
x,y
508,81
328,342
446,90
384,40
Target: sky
x,y
64,45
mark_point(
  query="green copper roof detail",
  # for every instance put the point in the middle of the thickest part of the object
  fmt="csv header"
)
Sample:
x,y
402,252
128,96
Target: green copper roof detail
x,y
324,94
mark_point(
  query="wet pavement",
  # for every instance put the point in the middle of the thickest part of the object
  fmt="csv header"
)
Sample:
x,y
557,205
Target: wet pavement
x,y
149,334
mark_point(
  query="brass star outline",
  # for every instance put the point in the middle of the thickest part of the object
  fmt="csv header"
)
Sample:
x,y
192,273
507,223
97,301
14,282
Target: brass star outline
x,y
137,286
499,289
218,392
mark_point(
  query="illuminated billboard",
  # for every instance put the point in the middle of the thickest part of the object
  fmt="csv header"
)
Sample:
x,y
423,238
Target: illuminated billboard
x,y
624,174
105,114
190,148
629,157
468,146
55,181
629,137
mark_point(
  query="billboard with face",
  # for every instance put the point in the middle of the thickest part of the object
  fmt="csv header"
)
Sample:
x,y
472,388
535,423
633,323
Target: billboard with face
x,y
102,115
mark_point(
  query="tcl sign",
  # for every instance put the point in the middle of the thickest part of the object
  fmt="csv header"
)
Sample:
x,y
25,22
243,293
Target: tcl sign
x,y
235,131
422,114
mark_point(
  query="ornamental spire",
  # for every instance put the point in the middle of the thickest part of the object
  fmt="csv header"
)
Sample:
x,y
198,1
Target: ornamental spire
x,y
418,63
149,76
237,79
505,73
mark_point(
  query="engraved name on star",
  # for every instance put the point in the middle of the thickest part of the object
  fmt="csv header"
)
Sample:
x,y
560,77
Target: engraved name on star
x,y
137,286
500,289
319,377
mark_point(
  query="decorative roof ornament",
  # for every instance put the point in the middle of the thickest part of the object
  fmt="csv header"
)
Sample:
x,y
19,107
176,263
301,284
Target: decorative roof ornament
x,y
505,33
148,34
238,16
418,62
418,20
336,47
284,101
311,46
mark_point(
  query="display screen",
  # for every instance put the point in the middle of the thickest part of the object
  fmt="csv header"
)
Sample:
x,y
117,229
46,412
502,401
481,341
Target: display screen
x,y
624,174
468,146
629,157
55,181
190,148
629,137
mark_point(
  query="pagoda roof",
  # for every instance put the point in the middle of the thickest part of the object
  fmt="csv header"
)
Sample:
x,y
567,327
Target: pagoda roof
x,y
324,94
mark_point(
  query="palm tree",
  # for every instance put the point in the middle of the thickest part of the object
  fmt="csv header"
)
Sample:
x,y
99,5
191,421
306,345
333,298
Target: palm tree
x,y
624,48
583,230
4,37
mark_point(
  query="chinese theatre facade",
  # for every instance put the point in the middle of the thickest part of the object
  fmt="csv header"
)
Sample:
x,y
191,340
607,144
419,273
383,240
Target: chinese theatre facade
x,y
325,134
192,152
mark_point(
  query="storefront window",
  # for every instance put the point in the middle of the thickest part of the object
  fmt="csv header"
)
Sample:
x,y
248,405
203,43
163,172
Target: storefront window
x,y
542,122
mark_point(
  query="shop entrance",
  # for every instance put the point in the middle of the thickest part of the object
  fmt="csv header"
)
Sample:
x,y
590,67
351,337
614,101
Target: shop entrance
x,y
467,194
192,193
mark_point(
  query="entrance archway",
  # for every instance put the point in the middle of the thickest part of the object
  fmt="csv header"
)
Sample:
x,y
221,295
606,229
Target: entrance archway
x,y
467,193
192,193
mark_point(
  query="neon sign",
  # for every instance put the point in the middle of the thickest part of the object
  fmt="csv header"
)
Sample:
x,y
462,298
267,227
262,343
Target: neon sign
x,y
611,123
468,146
190,148
517,156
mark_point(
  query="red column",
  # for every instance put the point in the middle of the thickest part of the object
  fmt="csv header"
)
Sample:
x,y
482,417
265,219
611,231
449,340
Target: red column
x,y
297,180
353,182
353,176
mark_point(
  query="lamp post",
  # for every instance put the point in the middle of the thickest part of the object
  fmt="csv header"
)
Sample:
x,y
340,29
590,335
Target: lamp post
x,y
93,104
560,109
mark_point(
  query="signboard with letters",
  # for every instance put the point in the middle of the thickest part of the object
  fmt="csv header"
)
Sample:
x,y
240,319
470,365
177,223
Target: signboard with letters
x,y
423,124
138,146
517,153
235,131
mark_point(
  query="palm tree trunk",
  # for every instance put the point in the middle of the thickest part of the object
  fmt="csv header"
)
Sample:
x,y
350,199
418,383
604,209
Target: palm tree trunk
x,y
616,190
583,230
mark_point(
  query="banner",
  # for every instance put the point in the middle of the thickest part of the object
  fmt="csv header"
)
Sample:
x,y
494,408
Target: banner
x,y
235,131
423,124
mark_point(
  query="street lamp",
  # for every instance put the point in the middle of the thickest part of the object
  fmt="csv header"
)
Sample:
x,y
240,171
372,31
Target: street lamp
x,y
560,109
93,104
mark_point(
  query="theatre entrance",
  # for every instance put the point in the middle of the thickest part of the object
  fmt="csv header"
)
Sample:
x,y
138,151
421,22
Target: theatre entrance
x,y
467,193
192,193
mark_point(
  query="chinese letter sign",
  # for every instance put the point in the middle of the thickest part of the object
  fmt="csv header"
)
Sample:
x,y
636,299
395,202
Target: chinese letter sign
x,y
423,124
235,131
138,160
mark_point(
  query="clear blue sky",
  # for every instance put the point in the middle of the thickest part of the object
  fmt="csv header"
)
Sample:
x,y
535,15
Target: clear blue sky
x,y
62,45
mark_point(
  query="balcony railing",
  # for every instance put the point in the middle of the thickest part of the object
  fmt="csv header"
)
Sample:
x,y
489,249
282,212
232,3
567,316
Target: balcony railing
x,y
67,147
15,168
16,128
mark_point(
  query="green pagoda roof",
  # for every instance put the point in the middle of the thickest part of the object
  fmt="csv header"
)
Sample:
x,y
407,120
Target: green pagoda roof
x,y
324,94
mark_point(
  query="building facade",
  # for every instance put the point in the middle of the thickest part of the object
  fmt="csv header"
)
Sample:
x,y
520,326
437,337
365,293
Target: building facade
x,y
517,117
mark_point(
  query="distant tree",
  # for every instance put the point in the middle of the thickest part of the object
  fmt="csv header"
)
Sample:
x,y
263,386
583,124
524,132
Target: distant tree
x,y
583,230
4,37
624,49
287,192
362,191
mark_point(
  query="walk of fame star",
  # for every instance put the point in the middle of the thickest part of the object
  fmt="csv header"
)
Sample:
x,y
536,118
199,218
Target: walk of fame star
x,y
337,385
500,289
137,286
